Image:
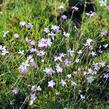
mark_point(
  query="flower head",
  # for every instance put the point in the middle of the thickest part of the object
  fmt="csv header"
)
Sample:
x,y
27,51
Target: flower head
x,y
51,83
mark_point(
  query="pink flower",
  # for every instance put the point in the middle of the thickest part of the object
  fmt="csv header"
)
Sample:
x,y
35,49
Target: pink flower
x,y
107,6
51,83
44,42
63,17
41,53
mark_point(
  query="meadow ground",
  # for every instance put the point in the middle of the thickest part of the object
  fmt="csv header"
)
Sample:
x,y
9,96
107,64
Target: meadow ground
x,y
49,60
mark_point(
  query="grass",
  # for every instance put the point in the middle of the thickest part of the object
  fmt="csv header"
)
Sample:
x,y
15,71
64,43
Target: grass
x,y
87,88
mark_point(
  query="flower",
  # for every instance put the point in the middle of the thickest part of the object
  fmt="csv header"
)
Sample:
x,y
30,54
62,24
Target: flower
x,y
32,50
93,53
24,67
70,52
22,23
32,98
105,46
32,42
61,7
63,83
74,8
82,97
69,75
79,52
107,6
49,71
46,30
106,76
15,91
90,71
55,28
91,14
44,42
66,34
51,83
58,58
58,68
39,88
67,62
21,52
104,33
33,88
77,60
63,17
5,33
102,2
41,53
3,50
89,43
29,26
90,79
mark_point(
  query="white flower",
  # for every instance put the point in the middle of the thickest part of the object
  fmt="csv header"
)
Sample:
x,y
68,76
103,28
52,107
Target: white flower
x,y
91,14
66,34
73,83
69,75
74,8
89,43
63,83
90,71
5,33
105,46
49,71
16,35
102,2
46,30
31,102
58,58
22,23
21,52
61,7
77,60
33,88
51,83
93,53
79,52
106,76
39,88
102,64
82,97
90,79
59,68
